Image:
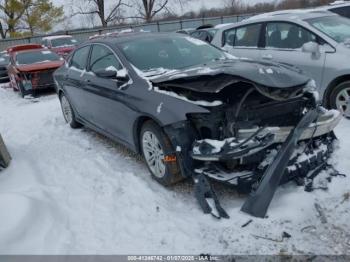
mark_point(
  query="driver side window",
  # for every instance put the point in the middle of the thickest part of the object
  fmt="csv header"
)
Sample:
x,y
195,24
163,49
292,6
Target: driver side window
x,y
102,58
79,58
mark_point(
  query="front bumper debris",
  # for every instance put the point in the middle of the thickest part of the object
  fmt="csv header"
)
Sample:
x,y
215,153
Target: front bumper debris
x,y
304,150
211,150
326,122
259,201
251,141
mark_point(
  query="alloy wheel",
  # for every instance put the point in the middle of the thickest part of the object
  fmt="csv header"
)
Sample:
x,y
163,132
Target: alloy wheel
x,y
343,101
154,154
66,109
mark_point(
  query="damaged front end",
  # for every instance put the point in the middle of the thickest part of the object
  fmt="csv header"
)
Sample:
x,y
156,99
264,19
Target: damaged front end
x,y
256,139
36,80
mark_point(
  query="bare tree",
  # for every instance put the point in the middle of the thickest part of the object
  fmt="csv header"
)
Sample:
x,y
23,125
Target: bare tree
x,y
98,7
148,9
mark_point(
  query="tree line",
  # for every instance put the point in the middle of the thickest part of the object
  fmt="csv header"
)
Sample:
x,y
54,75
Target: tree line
x,y
29,17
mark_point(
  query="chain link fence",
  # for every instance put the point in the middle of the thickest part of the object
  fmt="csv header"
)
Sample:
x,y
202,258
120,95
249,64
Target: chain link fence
x,y
163,26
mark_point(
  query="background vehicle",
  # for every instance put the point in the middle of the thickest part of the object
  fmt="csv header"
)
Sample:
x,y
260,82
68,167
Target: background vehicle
x,y
31,68
207,32
4,62
341,8
60,44
192,111
111,34
316,42
5,157
186,31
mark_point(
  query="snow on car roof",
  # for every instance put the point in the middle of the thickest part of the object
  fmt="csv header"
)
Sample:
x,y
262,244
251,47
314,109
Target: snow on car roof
x,y
339,2
223,25
293,13
56,37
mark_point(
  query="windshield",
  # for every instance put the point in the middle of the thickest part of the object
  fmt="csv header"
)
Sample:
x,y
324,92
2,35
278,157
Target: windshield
x,y
68,41
34,57
169,52
336,27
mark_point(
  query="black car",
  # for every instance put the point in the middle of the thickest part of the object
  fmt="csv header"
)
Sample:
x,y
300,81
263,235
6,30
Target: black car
x,y
204,34
4,62
194,111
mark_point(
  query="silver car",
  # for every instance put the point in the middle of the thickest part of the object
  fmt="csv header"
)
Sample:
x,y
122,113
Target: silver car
x,y
316,42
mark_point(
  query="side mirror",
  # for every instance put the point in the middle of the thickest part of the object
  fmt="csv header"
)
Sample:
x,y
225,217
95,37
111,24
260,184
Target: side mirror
x,y
311,47
103,73
122,75
326,48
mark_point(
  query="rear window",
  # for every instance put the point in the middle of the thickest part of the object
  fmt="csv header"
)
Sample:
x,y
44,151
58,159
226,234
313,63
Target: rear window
x,y
35,57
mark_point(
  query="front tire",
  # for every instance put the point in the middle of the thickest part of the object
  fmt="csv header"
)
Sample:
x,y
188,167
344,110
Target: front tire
x,y
68,112
159,154
339,98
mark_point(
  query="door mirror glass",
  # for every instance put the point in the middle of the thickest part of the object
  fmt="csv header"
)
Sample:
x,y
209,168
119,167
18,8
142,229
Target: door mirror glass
x,y
311,47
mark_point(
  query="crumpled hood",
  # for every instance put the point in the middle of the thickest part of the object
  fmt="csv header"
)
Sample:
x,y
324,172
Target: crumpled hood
x,y
215,76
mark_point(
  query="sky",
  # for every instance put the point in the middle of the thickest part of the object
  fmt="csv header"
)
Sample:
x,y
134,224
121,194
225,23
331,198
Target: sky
x,y
84,21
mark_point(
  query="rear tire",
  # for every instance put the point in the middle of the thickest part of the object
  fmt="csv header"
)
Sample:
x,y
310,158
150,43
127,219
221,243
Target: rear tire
x,y
68,112
339,98
159,154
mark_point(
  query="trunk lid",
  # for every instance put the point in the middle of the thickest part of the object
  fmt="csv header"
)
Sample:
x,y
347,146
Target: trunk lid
x,y
40,66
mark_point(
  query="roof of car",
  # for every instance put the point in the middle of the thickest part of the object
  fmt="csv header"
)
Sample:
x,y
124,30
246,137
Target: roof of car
x,y
133,36
339,3
56,37
293,14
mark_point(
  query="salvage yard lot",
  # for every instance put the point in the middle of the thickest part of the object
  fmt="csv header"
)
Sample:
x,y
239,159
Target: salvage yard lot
x,y
75,192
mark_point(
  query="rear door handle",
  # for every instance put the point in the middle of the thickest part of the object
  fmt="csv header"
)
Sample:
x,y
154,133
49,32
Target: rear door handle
x,y
267,57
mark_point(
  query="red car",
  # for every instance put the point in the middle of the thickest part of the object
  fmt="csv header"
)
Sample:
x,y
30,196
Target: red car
x,y
31,68
61,44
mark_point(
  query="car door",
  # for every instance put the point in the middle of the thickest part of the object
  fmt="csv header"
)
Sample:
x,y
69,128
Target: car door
x,y
243,41
284,44
107,95
74,81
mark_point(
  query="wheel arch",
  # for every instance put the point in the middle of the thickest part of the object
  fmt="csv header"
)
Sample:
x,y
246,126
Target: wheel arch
x,y
335,82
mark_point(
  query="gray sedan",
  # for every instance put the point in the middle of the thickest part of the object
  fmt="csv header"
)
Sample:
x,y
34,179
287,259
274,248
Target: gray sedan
x,y
316,42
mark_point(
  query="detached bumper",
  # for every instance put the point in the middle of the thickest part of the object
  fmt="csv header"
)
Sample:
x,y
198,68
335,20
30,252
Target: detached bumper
x,y
251,141
326,123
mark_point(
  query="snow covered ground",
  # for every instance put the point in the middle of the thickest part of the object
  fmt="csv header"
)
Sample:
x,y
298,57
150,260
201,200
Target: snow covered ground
x,y
75,192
